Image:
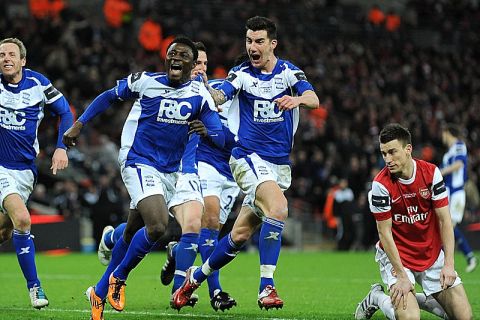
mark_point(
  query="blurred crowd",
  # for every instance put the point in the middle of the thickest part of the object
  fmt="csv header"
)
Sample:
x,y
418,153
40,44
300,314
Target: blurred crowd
x,y
419,67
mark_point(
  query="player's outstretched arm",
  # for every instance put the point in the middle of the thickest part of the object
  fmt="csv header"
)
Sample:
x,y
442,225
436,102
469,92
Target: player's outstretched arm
x,y
308,100
98,105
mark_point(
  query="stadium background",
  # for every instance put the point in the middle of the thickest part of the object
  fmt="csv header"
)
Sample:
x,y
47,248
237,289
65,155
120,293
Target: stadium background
x,y
413,62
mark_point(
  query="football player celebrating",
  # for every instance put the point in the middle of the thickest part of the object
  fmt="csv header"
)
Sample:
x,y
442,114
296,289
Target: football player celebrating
x,y
219,192
270,90
153,141
23,96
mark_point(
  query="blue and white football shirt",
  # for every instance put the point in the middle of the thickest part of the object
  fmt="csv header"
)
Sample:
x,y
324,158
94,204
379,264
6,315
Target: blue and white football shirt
x,y
156,130
21,111
213,155
456,180
256,121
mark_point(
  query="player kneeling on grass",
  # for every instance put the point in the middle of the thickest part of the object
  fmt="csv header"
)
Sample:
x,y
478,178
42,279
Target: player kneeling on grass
x,y
410,203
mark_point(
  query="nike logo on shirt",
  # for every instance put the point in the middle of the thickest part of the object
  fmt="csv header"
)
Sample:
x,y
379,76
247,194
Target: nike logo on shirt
x,y
396,199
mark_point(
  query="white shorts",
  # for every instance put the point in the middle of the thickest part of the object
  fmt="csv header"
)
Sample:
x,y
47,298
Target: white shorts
x,y
429,279
187,189
249,172
215,184
144,181
457,206
12,181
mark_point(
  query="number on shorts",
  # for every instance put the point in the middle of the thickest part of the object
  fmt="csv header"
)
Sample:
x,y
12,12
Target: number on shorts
x,y
227,206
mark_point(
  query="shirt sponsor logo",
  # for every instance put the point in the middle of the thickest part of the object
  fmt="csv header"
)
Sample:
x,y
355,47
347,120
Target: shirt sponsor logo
x,y
410,219
264,112
12,120
174,112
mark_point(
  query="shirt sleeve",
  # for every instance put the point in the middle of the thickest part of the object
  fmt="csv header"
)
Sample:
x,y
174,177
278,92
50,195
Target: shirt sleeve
x,y
298,81
131,87
439,191
126,89
231,85
61,108
51,94
379,201
101,103
211,120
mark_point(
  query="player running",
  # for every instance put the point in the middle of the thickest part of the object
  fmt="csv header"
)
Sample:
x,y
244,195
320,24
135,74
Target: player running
x,y
219,193
23,96
153,141
270,90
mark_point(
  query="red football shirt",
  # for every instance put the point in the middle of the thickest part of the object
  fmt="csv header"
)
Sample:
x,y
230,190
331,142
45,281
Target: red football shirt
x,y
410,204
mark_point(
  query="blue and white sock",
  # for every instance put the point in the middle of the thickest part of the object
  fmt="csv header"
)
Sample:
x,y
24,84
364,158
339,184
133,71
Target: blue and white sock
x,y
186,252
140,246
25,248
270,242
462,242
118,253
206,244
112,237
225,252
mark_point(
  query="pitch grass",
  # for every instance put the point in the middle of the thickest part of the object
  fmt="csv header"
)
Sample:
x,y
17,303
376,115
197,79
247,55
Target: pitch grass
x,y
324,285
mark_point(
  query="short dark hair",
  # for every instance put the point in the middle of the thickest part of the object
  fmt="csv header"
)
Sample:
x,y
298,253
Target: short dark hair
x,y
394,131
186,41
262,23
200,46
453,129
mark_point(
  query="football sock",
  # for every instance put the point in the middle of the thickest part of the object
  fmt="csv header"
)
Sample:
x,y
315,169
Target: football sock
x,y
112,237
186,252
385,304
138,248
270,241
118,253
462,242
431,305
25,249
206,244
225,252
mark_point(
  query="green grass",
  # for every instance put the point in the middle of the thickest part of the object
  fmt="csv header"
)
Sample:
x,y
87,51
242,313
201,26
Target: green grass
x,y
326,285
